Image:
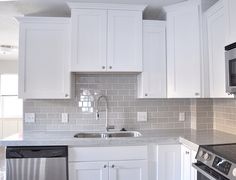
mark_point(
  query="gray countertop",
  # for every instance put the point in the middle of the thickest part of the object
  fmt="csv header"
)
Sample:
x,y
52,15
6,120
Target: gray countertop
x,y
191,138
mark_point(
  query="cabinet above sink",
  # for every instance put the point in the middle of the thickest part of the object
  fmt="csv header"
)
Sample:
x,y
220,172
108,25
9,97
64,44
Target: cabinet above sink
x,y
106,37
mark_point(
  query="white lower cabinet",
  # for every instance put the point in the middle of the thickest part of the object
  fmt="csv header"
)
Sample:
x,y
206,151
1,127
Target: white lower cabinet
x,y
174,162
108,163
187,158
169,162
88,171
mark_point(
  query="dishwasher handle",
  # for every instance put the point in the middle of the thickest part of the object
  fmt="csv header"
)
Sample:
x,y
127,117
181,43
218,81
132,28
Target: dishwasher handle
x,y
36,152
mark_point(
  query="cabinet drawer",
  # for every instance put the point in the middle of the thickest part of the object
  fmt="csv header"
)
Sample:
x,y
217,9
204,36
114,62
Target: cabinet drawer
x,y
79,154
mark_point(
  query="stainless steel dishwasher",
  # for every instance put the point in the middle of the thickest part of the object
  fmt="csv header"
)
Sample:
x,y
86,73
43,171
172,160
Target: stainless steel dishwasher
x,y
37,163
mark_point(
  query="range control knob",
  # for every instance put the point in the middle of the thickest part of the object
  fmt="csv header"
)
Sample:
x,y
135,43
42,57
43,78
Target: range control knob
x,y
207,157
234,172
200,154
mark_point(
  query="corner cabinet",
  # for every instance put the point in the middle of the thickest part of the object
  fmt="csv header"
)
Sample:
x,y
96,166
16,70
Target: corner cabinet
x,y
152,81
44,53
106,37
183,50
108,163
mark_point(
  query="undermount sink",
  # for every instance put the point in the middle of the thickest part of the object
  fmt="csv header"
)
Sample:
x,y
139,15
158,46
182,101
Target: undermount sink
x,y
108,134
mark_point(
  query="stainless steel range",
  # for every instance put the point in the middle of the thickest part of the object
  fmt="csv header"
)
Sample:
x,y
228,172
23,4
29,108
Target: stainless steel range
x,y
216,162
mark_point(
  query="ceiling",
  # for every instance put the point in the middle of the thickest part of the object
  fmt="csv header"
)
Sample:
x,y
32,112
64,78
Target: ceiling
x,y
9,9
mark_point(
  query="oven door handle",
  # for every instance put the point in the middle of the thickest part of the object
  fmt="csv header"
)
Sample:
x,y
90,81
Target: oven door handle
x,y
203,172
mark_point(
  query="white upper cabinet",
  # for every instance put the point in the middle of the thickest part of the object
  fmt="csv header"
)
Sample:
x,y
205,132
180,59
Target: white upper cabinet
x,y
216,33
183,50
124,48
44,58
230,6
106,37
152,81
89,32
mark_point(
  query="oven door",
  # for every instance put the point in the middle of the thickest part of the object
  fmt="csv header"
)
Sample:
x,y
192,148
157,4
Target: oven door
x,y
206,173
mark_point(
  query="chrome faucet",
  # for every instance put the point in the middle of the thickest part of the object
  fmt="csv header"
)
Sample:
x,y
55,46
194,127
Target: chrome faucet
x,y
98,110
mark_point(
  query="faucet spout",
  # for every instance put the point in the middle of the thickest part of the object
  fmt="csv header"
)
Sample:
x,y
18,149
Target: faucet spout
x,y
98,110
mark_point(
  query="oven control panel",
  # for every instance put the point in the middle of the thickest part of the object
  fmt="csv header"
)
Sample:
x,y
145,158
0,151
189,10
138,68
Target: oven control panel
x,y
221,165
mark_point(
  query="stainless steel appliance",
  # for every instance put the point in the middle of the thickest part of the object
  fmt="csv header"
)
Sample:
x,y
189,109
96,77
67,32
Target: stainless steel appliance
x,y
37,163
216,162
230,56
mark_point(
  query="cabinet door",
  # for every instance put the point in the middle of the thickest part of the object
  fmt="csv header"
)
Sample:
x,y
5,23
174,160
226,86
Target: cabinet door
x,y
88,171
89,36
186,166
152,81
44,60
216,31
124,41
169,162
231,23
127,170
183,51
193,170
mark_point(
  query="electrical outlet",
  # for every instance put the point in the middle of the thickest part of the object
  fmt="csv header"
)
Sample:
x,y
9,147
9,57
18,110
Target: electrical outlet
x,y
182,116
64,117
29,117
142,116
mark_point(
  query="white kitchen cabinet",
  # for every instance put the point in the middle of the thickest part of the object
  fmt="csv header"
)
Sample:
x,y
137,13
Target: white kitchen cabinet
x,y
230,6
89,32
44,53
124,48
152,81
126,170
169,162
216,33
106,37
183,50
108,163
88,171
187,158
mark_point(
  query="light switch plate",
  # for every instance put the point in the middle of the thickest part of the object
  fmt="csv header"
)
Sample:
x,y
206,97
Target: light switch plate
x,y
29,118
64,117
182,116
142,116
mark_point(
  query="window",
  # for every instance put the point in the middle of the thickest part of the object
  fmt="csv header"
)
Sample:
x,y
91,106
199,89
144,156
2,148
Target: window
x,y
10,105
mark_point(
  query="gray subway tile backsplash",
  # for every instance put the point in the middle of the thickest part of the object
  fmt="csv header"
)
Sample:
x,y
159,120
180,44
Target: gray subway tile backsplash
x,y
123,107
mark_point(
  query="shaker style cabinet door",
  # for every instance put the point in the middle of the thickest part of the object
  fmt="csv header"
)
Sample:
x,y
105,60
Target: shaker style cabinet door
x,y
183,51
216,31
44,58
88,171
169,162
124,48
89,42
152,80
127,170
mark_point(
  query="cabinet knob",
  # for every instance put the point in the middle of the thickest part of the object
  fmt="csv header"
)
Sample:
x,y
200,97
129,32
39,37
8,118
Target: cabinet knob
x,y
105,166
112,166
66,95
146,94
197,94
110,67
186,152
103,67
